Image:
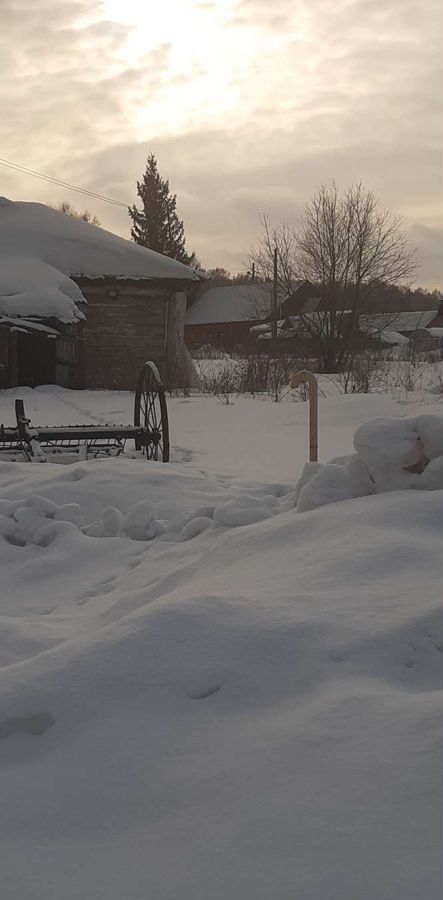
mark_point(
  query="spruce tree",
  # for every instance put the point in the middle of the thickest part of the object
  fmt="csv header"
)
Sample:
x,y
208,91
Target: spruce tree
x,y
156,225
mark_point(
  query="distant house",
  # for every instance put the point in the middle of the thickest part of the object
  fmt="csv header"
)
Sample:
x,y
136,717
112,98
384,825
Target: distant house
x,y
223,316
420,327
84,308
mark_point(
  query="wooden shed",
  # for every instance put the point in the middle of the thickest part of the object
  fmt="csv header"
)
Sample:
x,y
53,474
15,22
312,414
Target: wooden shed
x,y
223,316
83,308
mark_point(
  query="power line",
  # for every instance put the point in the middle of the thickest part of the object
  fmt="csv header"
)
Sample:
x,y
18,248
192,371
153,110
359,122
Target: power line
x,y
71,187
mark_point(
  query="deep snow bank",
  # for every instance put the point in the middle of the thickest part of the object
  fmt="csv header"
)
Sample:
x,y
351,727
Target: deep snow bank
x,y
251,711
127,498
391,454
252,714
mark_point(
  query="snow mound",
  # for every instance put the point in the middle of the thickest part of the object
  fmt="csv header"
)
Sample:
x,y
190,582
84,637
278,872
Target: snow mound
x,y
391,454
102,500
261,712
196,525
329,484
26,521
245,510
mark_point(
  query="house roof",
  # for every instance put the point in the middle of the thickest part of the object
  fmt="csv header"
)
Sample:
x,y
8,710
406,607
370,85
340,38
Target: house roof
x,y
238,303
393,337
230,303
399,321
41,250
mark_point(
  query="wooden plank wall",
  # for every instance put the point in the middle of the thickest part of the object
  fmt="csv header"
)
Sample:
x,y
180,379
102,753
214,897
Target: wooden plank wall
x,y
224,335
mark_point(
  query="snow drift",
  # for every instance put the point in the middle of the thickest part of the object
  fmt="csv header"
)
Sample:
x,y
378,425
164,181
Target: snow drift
x,y
248,703
391,454
253,713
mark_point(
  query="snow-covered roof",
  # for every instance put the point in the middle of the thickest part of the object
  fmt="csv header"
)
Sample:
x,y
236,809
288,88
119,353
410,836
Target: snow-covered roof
x,y
399,321
40,248
393,337
30,287
260,329
231,303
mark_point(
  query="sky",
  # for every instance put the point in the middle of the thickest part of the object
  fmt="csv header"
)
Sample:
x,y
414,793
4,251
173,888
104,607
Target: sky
x,y
248,105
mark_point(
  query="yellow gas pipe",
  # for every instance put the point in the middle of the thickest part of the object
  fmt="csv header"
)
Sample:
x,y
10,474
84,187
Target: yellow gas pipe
x,y
305,377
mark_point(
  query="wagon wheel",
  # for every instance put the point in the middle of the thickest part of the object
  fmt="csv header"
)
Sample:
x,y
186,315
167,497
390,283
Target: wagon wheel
x,y
150,412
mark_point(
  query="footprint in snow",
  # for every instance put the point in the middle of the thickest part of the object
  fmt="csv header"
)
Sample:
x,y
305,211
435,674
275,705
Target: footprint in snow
x,y
205,693
104,582
36,725
182,455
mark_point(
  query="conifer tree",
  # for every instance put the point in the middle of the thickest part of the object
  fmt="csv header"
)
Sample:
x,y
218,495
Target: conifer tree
x,y
156,225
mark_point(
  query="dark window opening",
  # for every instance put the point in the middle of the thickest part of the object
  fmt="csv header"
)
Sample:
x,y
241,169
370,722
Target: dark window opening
x,y
35,360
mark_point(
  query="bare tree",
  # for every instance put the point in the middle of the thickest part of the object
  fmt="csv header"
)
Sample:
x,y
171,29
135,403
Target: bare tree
x,y
65,207
283,239
349,248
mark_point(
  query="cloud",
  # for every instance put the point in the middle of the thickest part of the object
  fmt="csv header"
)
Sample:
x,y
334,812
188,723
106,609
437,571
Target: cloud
x,y
246,115
65,86
429,241
225,180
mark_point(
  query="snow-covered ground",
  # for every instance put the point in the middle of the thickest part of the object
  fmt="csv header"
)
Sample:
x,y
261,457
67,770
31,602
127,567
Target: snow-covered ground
x,y
205,693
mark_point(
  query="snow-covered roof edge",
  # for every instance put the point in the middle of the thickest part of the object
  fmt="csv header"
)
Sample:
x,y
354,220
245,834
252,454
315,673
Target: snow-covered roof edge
x,y
43,251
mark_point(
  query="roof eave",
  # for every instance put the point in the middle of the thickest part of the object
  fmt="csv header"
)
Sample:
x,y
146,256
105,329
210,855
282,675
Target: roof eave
x,y
168,283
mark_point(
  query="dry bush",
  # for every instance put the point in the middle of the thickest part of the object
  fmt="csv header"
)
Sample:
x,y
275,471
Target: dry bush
x,y
220,378
266,373
207,351
252,371
362,373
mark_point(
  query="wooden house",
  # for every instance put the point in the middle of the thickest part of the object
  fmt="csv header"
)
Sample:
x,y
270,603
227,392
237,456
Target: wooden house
x,y
83,308
223,316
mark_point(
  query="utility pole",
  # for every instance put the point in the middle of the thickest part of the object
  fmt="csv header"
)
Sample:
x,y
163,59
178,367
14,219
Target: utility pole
x,y
274,296
169,225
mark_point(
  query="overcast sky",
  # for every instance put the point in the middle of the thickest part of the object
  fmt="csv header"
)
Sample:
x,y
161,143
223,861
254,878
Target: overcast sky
x,y
247,104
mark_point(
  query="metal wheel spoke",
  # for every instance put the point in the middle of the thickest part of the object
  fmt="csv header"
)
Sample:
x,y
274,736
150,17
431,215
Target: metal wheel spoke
x,y
154,414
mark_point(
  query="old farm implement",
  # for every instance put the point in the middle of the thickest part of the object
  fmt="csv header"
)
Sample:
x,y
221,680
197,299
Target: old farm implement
x,y
150,431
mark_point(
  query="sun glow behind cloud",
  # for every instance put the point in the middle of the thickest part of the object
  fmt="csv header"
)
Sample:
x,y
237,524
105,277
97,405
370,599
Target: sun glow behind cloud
x,y
210,73
248,105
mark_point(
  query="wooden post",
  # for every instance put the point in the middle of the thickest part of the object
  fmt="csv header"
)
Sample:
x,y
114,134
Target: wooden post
x,y
305,377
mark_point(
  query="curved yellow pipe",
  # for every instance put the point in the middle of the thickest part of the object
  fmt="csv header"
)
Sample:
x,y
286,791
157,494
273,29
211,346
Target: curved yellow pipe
x,y
305,377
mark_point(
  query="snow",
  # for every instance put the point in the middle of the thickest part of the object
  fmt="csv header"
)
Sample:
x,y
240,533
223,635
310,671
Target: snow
x,y
329,485
260,329
245,703
391,455
31,287
40,248
397,321
230,303
393,337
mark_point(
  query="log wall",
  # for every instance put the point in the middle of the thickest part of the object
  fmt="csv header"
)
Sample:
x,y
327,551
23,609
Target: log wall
x,y
125,325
